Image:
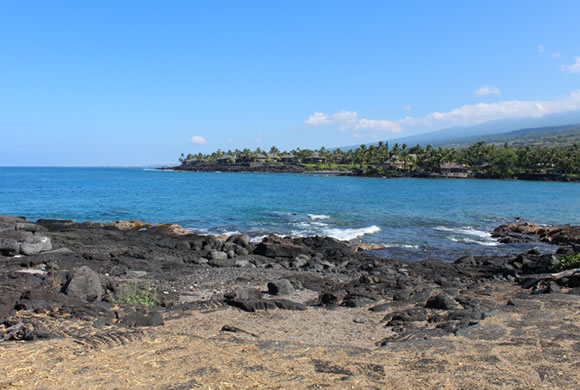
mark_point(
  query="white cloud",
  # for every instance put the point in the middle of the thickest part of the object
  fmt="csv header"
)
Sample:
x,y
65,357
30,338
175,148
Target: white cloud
x,y
318,118
349,120
198,139
488,90
573,68
466,115
407,107
556,54
540,48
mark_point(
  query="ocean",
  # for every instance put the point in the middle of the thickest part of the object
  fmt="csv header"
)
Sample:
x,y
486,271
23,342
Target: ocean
x,y
416,219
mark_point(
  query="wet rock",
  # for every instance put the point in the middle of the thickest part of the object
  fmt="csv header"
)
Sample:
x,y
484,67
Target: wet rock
x,y
280,287
86,285
442,302
35,245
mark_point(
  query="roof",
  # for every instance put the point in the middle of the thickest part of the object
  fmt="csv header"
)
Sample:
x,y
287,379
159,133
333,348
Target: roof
x,y
449,165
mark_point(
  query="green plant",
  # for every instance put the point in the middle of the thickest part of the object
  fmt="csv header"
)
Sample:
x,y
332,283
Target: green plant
x,y
570,261
134,294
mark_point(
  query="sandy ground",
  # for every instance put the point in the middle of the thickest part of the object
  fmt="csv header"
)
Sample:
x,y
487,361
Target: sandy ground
x,y
530,344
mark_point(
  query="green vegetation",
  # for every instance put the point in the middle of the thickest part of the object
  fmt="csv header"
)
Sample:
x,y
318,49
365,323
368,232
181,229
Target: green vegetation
x,y
570,262
479,160
134,294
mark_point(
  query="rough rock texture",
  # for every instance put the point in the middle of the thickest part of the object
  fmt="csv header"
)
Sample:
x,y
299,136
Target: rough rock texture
x,y
85,284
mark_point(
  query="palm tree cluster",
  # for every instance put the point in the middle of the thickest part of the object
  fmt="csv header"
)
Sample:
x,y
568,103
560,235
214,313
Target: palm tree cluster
x,y
481,159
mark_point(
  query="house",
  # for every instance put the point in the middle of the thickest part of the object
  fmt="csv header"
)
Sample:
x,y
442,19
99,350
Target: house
x,y
289,159
454,170
315,158
226,159
396,163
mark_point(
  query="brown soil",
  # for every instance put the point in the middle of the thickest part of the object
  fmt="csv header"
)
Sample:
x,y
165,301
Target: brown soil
x,y
529,344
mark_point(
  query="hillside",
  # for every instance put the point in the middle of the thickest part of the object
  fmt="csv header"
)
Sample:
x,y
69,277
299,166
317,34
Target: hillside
x,y
553,137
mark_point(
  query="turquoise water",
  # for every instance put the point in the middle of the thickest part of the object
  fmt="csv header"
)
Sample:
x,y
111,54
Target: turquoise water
x,y
414,218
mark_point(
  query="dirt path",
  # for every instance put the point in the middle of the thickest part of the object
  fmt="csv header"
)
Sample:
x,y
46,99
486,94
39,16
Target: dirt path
x,y
530,343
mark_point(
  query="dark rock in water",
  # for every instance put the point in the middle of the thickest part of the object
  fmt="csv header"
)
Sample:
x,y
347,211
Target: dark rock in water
x,y
442,302
140,318
252,305
9,247
274,246
35,245
244,294
280,287
85,284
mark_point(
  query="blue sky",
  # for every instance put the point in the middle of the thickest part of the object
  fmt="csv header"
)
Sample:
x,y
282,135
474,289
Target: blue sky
x,y
135,82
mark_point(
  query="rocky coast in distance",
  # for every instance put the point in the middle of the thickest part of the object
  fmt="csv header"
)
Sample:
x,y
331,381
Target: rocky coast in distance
x,y
131,296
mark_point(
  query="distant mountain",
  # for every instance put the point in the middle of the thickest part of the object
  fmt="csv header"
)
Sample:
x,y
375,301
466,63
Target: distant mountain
x,y
552,136
475,133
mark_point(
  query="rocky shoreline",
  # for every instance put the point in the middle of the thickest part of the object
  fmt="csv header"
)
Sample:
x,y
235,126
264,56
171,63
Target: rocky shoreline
x,y
130,275
298,169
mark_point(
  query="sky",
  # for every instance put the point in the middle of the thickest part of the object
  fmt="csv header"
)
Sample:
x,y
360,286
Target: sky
x,y
118,83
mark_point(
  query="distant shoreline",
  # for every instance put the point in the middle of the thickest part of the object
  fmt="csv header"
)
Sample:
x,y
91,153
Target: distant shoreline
x,y
296,169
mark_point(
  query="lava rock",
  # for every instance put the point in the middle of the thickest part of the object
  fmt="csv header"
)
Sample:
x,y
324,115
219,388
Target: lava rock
x,y
85,284
442,302
35,245
9,247
280,287
244,294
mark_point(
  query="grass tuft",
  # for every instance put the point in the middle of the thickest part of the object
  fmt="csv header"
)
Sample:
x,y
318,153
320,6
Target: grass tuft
x,y
134,294
570,261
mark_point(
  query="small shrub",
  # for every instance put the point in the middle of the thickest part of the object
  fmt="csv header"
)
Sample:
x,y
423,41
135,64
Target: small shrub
x,y
570,261
134,294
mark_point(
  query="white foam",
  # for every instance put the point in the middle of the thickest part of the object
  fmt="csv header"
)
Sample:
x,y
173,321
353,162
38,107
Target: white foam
x,y
471,241
468,231
350,234
406,246
317,217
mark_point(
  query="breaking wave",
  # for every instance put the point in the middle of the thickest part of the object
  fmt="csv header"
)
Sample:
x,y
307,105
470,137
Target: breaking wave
x,y
350,234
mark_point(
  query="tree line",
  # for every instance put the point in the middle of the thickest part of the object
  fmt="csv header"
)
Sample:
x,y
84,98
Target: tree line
x,y
479,158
